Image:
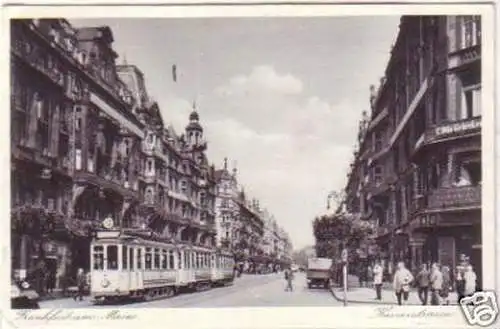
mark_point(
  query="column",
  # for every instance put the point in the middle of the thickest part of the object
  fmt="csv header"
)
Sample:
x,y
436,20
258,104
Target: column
x,y
451,170
23,257
416,245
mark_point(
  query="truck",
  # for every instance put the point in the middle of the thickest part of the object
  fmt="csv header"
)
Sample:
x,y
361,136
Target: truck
x,y
318,272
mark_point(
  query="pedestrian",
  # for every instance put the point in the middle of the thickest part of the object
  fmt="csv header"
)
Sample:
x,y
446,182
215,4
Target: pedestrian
x,y
436,282
369,276
459,277
470,280
446,287
402,280
81,281
361,274
289,279
378,273
423,281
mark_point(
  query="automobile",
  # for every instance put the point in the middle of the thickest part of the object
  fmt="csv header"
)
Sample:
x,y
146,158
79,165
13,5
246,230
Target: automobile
x,y
318,272
23,296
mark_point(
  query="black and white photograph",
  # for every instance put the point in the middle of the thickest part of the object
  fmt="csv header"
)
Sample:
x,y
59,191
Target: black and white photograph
x,y
241,162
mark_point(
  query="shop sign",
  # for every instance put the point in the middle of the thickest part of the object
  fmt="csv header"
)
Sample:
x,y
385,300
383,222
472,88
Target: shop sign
x,y
457,127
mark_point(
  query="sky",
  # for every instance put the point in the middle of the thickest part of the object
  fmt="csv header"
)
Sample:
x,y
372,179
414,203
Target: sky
x,y
281,98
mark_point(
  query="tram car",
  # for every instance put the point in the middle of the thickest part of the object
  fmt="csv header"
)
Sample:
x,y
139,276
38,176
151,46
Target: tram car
x,y
222,273
125,266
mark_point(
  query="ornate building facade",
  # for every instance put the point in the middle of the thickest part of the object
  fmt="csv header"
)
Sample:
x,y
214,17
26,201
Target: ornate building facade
x,y
417,173
246,228
227,209
89,146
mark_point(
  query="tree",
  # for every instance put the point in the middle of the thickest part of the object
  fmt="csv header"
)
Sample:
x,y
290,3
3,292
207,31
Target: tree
x,y
337,231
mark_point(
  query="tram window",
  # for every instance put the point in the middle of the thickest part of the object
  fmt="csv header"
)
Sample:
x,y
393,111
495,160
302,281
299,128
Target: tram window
x,y
193,260
149,259
112,257
124,258
179,259
164,259
171,260
98,257
156,264
139,258
131,257
206,260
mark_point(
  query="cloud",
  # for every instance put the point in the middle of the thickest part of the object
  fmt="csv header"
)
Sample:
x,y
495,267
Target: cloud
x,y
262,79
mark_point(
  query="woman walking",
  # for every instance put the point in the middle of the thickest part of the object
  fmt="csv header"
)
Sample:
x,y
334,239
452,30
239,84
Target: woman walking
x,y
445,289
470,280
402,280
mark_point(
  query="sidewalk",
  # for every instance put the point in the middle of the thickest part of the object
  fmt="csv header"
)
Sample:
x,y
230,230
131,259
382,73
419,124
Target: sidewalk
x,y
364,295
59,294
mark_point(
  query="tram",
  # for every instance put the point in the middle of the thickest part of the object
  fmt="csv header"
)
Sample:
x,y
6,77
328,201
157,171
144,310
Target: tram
x,y
125,266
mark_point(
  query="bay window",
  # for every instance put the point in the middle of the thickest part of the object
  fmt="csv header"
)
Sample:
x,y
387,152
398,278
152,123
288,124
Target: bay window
x,y
470,31
471,101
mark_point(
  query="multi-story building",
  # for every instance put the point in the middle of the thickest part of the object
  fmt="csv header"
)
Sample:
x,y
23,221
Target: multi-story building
x,y
89,146
284,246
244,227
227,209
251,228
70,121
418,169
268,237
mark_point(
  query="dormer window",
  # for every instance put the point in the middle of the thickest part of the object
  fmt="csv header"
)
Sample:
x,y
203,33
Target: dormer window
x,y
69,45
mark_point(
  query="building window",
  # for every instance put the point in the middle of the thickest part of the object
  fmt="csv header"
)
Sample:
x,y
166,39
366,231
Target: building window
x,y
471,31
377,174
471,102
149,166
378,140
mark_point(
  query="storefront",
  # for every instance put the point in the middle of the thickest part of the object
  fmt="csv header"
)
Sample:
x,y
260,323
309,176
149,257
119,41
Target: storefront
x,y
454,234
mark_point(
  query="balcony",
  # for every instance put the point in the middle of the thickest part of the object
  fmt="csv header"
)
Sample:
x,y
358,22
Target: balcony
x,y
105,183
465,57
453,130
455,198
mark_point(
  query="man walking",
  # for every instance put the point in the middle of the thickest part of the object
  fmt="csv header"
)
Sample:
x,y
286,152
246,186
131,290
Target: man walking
x,y
378,273
81,282
436,282
423,280
289,279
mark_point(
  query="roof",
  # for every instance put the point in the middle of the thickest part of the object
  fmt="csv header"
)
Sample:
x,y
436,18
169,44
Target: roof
x,y
92,33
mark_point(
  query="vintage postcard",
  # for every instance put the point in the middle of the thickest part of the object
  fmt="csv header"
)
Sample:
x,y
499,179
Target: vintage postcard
x,y
292,166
